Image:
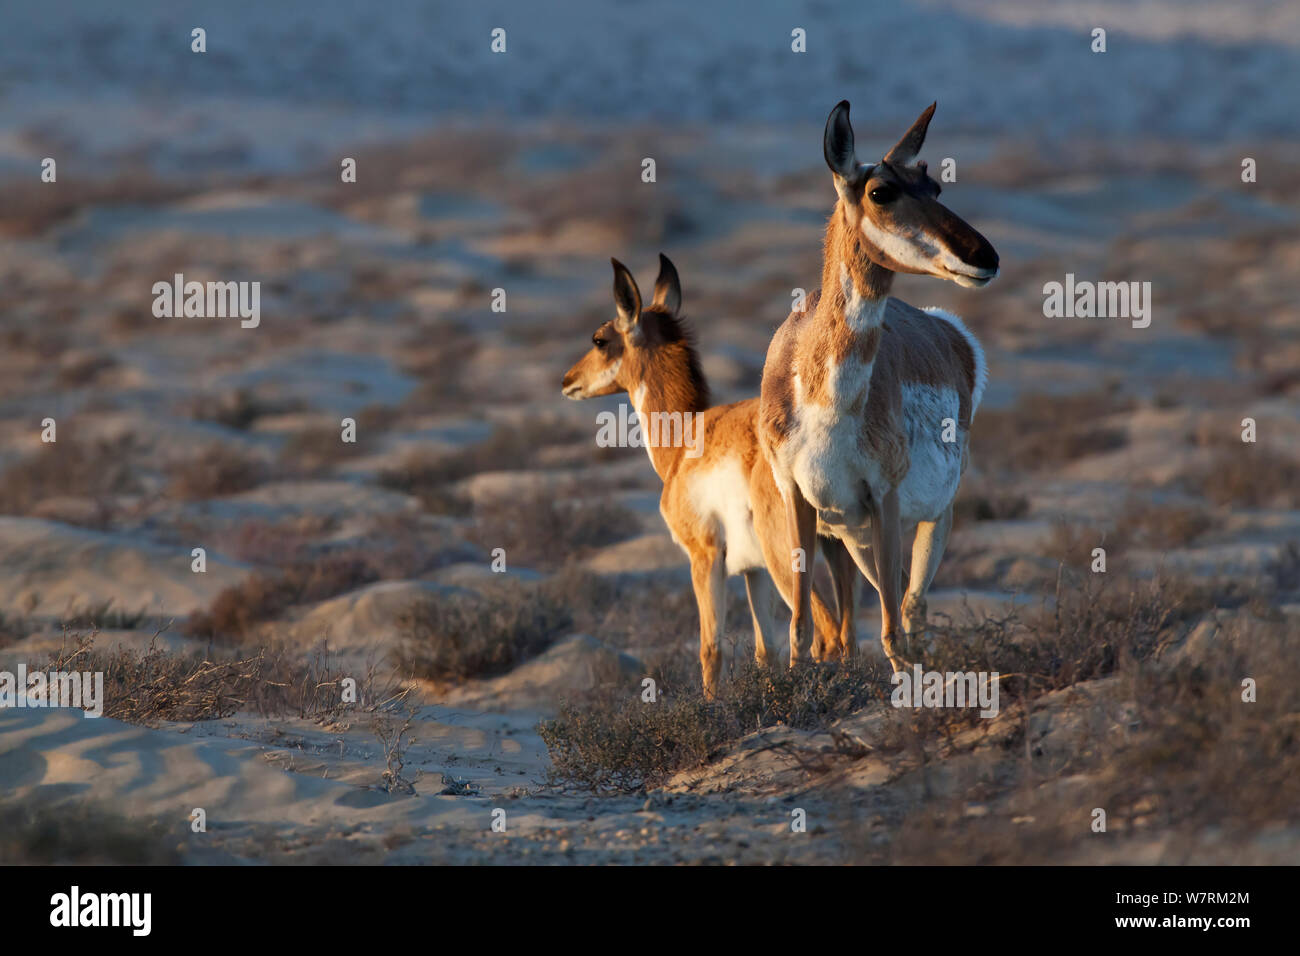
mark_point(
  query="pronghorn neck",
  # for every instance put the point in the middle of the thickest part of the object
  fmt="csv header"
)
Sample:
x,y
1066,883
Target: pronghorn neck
x,y
669,382
854,288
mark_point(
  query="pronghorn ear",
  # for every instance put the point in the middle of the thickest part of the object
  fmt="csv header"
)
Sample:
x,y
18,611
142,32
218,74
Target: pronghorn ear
x,y
627,297
668,288
910,145
837,143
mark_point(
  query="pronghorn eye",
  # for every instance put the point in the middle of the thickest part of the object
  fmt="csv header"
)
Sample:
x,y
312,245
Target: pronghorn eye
x,y
599,342
884,194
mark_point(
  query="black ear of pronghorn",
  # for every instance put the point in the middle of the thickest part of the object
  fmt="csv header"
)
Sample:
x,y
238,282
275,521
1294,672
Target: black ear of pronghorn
x,y
668,287
909,147
627,297
837,143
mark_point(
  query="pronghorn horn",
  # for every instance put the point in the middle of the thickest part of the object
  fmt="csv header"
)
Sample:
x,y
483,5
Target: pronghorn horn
x,y
668,288
627,297
907,148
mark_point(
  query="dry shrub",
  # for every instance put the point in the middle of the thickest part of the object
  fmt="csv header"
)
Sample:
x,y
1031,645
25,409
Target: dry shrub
x,y
1162,527
314,451
35,833
1096,623
623,744
466,636
155,685
1042,432
1192,767
215,471
263,596
428,476
981,501
95,469
1140,526
238,409
29,212
544,528
277,543
440,361
1249,475
597,197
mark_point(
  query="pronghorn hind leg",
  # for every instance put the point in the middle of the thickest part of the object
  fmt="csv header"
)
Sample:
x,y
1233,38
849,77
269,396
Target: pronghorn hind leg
x,y
762,605
927,552
845,579
709,577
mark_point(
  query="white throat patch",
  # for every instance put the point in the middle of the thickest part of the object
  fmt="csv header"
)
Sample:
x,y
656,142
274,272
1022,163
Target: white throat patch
x,y
860,313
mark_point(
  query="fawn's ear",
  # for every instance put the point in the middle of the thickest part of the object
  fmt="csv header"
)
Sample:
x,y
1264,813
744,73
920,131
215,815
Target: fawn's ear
x,y
907,148
627,298
668,288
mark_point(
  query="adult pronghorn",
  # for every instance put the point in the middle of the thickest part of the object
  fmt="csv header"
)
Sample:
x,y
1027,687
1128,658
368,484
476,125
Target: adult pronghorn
x,y
866,401
719,499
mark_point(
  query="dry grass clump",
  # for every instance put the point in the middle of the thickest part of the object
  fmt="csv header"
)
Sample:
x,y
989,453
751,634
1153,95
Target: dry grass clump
x,y
1043,432
156,685
478,635
99,470
624,744
34,833
216,471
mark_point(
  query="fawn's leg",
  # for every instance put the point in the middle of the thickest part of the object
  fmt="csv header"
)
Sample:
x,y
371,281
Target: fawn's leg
x,y
709,578
845,578
762,601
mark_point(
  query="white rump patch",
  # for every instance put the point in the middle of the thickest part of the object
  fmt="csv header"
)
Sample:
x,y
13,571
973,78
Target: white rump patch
x,y
981,365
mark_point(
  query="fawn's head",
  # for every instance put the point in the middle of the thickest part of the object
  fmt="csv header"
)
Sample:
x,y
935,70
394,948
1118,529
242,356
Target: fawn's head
x,y
648,346
894,204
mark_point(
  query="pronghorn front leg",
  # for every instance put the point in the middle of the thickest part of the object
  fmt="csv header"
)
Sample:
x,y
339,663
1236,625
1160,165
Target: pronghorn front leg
x,y
886,542
801,521
882,565
927,552
709,577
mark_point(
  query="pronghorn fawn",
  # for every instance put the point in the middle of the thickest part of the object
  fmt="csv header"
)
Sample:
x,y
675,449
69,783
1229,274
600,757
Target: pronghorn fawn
x,y
866,401
719,499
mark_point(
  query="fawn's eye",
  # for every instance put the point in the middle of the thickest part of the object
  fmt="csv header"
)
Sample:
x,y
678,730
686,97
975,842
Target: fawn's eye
x,y
597,341
885,193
